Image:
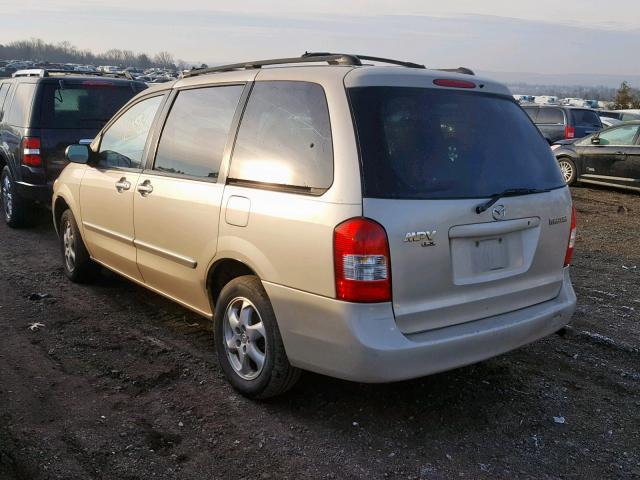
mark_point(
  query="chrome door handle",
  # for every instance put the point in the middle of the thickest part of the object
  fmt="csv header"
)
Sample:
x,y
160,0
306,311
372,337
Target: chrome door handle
x,y
123,184
145,188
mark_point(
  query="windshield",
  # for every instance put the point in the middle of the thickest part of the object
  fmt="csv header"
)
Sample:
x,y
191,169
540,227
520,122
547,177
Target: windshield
x,y
88,104
420,143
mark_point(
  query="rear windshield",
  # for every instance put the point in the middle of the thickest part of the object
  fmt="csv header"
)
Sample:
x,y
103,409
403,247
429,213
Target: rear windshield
x,y
586,118
420,143
88,104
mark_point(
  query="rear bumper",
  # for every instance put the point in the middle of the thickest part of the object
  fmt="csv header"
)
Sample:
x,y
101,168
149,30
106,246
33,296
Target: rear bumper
x,y
361,342
35,193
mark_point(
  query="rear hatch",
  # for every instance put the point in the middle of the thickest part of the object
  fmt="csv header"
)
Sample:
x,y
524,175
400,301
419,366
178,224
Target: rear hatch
x,y
73,109
585,122
430,157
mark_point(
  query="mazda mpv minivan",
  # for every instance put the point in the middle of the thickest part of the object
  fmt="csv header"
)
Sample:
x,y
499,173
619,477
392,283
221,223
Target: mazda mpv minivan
x,y
372,223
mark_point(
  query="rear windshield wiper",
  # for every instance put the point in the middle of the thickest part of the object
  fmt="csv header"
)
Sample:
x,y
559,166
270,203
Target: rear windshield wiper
x,y
510,192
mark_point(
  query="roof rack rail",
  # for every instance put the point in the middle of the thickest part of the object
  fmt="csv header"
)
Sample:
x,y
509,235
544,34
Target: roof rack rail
x,y
47,72
367,58
463,70
315,57
331,59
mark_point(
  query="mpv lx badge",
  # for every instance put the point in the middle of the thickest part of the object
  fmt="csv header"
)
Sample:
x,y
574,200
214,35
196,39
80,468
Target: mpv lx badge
x,y
426,239
498,212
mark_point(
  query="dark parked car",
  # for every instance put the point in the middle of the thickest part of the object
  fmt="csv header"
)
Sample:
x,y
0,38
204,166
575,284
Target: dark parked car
x,y
563,122
610,157
41,113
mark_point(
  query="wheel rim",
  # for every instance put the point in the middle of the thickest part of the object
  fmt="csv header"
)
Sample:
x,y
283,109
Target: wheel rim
x,y
245,339
7,197
567,170
69,246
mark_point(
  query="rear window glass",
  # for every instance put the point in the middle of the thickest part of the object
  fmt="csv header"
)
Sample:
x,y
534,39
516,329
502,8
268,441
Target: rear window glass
x,y
432,144
21,105
550,116
89,104
586,118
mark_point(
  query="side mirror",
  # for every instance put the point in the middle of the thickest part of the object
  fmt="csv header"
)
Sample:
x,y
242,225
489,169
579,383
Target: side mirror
x,y
595,140
77,153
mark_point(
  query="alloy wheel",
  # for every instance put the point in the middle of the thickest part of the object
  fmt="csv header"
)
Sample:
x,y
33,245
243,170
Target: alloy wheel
x,y
69,246
245,338
7,197
567,170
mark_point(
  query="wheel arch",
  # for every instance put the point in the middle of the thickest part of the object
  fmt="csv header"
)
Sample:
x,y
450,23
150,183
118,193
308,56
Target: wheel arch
x,y
61,203
221,272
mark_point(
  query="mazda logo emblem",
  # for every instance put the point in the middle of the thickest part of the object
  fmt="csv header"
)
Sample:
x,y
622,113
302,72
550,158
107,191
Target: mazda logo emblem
x,y
498,212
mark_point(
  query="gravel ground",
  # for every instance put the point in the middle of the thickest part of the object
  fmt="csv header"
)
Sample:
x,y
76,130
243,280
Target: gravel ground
x,y
119,383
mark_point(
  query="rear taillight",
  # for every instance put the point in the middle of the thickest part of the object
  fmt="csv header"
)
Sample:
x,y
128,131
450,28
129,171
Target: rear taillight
x,y
572,239
31,151
361,258
569,132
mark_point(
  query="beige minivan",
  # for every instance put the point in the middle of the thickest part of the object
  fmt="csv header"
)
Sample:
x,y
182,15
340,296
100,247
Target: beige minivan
x,y
373,223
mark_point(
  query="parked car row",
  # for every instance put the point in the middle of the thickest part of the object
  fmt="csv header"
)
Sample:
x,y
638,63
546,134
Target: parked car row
x,y
372,223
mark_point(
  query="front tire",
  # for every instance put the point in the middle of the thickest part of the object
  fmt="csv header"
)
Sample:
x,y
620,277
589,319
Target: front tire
x,y
77,263
568,169
15,209
248,342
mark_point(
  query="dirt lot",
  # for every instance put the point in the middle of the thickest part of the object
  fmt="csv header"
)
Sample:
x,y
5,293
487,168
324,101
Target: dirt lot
x,y
122,384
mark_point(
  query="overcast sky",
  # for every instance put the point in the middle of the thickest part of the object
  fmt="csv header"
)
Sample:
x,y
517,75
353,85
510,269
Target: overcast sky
x,y
546,36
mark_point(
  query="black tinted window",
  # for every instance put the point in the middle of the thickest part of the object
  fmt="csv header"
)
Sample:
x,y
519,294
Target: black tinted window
x,y
4,89
20,109
123,143
586,118
89,104
550,116
285,137
194,137
429,144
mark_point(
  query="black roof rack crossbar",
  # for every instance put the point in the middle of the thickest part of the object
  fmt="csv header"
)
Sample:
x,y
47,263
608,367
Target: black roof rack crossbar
x,y
332,59
369,58
46,72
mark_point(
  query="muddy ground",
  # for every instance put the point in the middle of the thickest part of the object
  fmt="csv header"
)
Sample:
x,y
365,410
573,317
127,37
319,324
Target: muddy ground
x,y
120,383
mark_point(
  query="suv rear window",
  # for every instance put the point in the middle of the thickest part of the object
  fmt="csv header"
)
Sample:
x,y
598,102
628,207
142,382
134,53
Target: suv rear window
x,y
87,104
586,118
419,143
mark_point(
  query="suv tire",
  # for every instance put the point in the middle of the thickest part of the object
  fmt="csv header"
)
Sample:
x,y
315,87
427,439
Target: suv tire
x,y
248,342
76,262
15,209
568,169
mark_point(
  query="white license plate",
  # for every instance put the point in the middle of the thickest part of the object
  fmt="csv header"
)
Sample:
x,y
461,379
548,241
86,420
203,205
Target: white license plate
x,y
489,255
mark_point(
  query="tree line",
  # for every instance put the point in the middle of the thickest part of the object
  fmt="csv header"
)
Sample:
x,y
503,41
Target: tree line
x,y
38,50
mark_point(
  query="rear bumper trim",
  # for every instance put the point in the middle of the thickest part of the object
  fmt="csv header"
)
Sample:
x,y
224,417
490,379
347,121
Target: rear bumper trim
x,y
361,342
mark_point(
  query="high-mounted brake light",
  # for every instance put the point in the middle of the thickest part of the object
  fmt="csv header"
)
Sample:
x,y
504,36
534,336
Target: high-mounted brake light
x,y
450,82
572,239
569,132
31,151
361,258
98,83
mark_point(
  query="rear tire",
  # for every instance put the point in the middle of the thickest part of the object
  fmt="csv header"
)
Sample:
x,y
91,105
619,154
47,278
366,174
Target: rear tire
x,y
77,263
568,169
248,342
15,209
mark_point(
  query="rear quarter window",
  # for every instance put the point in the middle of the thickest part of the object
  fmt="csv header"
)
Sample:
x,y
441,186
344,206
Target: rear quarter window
x,y
285,137
20,109
550,116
